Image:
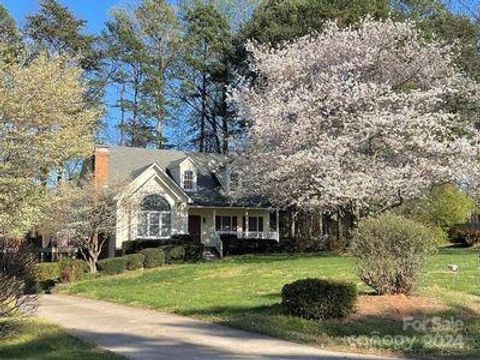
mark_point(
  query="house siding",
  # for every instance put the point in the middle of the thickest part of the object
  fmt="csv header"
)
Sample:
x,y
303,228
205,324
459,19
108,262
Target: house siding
x,y
126,223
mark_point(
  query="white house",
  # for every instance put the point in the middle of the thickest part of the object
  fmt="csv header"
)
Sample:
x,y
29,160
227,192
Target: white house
x,y
179,193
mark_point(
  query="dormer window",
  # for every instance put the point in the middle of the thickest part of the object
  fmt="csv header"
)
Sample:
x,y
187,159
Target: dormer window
x,y
188,180
234,181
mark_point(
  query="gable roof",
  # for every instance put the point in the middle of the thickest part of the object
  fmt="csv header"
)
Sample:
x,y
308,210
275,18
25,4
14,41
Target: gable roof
x,y
129,163
165,178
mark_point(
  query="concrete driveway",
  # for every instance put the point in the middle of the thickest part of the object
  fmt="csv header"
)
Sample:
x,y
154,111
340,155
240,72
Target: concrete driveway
x,y
147,335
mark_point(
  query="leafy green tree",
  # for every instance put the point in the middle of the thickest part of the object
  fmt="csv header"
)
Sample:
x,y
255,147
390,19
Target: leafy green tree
x,y
204,73
446,206
40,132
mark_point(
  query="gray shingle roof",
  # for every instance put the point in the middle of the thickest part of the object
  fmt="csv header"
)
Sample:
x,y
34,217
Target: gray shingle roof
x,y
127,162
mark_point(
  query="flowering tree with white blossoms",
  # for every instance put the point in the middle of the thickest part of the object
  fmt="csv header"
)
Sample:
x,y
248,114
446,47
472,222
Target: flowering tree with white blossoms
x,y
365,116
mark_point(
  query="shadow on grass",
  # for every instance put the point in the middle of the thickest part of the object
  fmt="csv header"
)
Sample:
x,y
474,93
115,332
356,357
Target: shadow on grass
x,y
449,334
268,258
26,339
169,346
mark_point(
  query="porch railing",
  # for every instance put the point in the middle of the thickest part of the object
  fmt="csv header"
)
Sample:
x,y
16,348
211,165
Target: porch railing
x,y
267,235
218,244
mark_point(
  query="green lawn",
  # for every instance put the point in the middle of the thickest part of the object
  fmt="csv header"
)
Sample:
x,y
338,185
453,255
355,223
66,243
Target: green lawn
x,y
244,292
35,339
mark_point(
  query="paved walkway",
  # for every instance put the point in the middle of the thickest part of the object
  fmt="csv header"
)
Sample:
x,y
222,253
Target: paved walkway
x,y
147,335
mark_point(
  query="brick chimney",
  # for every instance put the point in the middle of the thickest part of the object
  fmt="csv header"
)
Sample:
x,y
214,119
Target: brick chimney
x,y
100,166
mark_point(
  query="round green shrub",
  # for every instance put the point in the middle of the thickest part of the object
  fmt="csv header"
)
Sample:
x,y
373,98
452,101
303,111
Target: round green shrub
x,y
134,261
391,252
113,266
154,257
175,254
319,299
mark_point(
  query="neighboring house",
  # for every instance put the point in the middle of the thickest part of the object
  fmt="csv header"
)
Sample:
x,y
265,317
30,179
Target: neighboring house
x,y
179,193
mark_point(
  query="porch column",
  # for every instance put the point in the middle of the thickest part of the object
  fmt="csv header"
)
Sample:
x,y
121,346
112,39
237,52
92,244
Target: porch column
x,y
277,223
246,224
214,220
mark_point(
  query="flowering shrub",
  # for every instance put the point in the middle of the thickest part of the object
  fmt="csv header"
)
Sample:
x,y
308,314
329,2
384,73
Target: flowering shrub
x,y
391,251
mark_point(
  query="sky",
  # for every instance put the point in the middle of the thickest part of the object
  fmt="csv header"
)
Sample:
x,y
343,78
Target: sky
x,y
94,11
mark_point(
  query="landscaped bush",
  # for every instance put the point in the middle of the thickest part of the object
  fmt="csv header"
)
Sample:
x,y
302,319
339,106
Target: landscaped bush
x,y
113,266
48,271
194,252
73,270
181,239
319,299
136,246
154,257
465,236
391,252
173,253
134,261
47,274
234,246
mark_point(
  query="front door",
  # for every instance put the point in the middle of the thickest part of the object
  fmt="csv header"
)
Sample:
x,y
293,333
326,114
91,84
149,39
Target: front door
x,y
195,228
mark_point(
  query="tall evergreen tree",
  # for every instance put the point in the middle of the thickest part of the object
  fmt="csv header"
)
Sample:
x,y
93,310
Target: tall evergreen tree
x,y
204,74
10,36
276,21
56,29
143,48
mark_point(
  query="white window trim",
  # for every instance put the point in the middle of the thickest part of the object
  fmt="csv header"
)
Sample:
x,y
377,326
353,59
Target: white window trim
x,y
221,225
160,213
194,180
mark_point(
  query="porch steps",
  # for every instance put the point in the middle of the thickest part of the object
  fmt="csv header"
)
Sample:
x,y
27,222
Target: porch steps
x,y
210,254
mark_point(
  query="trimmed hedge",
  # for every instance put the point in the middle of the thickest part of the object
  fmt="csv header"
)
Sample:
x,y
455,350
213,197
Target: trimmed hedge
x,y
134,261
234,246
194,252
136,246
73,270
181,239
113,266
154,257
47,274
174,253
319,299
48,271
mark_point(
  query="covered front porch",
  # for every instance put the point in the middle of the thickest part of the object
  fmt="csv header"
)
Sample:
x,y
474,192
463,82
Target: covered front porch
x,y
206,225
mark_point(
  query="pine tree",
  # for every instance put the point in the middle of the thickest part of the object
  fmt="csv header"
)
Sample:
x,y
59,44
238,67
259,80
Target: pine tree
x,y
10,36
57,30
142,47
204,74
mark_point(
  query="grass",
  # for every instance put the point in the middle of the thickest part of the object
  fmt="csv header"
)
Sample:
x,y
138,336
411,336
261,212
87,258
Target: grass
x,y
28,338
244,292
